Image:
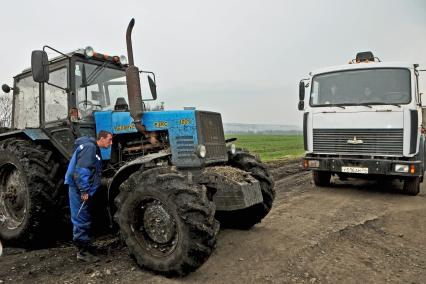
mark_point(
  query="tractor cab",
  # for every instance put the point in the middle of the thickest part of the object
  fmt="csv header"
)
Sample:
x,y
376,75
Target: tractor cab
x,y
76,86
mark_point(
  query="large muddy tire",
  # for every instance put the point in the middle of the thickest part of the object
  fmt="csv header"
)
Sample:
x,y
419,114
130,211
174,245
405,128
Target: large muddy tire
x,y
412,186
246,218
30,191
321,178
166,221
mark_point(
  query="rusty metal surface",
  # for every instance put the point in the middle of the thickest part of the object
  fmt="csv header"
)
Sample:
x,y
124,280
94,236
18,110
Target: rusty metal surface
x,y
235,188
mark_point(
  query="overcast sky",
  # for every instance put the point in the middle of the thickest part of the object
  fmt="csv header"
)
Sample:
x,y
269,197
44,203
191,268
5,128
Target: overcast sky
x,y
241,58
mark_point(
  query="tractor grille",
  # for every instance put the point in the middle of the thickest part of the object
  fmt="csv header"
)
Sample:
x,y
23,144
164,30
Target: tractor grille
x,y
348,141
185,147
210,134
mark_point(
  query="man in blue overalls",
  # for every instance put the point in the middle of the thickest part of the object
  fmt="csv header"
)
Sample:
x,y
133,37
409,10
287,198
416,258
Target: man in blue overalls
x,y
83,178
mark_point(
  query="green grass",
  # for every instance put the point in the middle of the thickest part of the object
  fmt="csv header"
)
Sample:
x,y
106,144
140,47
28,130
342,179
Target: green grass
x,y
270,147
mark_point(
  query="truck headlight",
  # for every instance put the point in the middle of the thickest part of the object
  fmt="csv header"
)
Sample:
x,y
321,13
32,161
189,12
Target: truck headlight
x,y
201,151
401,168
232,149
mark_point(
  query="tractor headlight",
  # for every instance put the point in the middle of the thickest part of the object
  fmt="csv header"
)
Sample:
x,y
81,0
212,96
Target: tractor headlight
x,y
88,51
201,151
232,149
123,60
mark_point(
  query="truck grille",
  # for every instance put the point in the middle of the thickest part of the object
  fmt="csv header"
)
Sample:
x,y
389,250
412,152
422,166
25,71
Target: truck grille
x,y
210,134
359,141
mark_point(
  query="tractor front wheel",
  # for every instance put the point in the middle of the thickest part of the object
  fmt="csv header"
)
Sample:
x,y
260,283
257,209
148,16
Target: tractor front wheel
x,y
246,218
166,221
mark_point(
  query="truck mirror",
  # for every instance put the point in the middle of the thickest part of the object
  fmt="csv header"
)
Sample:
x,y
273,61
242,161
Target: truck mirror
x,y
301,90
40,66
301,105
152,87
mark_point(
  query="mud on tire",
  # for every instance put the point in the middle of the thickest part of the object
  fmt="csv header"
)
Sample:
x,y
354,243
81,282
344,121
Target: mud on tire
x,y
246,218
30,192
166,222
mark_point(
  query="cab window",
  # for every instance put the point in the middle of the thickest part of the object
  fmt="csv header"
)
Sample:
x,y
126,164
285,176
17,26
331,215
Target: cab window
x,y
56,99
26,103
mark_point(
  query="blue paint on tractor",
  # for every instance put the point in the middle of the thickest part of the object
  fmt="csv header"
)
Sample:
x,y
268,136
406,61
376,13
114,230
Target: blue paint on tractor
x,y
181,126
32,133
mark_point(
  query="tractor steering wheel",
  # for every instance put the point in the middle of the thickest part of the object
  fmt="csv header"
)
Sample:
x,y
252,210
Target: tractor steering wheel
x,y
86,107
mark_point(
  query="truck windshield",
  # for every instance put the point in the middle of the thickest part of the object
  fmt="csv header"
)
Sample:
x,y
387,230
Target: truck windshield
x,y
383,86
98,87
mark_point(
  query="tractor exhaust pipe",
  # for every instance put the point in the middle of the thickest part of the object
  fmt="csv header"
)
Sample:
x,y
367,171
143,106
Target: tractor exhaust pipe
x,y
133,81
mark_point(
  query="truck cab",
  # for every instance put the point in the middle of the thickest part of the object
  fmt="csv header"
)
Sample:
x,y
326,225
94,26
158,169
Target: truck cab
x,y
364,119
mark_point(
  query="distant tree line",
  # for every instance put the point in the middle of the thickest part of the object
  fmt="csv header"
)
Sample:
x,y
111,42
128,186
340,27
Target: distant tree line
x,y
5,111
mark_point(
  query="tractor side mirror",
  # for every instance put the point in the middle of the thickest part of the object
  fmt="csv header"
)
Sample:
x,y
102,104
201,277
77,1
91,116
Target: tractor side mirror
x,y
301,105
301,91
152,87
40,66
6,88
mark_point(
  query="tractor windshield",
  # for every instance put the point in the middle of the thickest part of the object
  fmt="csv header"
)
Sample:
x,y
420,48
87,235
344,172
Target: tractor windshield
x,y
98,87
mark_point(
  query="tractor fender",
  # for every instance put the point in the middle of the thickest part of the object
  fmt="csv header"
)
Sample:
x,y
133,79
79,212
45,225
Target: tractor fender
x,y
33,134
128,169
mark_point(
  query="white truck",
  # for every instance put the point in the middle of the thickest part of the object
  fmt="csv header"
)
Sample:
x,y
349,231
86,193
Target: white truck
x,y
364,118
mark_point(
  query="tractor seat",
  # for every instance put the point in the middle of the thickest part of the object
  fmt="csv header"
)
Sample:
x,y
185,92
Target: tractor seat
x,y
121,104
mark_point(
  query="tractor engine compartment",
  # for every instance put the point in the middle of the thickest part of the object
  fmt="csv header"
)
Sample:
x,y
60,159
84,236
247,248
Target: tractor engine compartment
x,y
129,146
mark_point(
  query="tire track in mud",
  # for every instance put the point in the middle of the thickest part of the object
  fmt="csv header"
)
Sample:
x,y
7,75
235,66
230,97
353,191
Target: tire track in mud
x,y
350,232
348,239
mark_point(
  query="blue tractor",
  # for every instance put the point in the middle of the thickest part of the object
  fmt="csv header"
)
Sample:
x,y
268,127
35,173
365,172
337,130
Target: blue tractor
x,y
170,176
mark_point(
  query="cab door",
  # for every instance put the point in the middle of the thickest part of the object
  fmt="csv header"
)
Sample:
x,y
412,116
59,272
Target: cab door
x,y
56,121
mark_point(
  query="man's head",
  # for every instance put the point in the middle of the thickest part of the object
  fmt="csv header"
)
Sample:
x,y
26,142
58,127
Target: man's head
x,y
104,139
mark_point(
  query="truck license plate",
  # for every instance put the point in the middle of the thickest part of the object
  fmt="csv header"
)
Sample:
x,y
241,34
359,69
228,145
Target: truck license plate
x,y
355,170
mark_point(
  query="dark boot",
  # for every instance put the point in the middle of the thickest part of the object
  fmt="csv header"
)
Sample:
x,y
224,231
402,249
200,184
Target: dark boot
x,y
86,253
85,256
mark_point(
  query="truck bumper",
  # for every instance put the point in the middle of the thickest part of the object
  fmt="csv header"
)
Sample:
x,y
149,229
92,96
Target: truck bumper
x,y
359,166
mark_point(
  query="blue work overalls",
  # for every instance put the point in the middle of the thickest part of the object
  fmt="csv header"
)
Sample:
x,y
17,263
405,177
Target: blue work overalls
x,y
83,175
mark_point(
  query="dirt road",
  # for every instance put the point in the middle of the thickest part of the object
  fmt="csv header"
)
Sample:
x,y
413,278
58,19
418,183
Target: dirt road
x,y
354,231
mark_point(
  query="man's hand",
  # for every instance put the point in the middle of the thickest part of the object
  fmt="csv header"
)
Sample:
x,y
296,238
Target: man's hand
x,y
84,196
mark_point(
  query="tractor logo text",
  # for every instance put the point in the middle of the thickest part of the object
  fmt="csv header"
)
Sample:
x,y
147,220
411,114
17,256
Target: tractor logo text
x,y
161,124
128,127
184,121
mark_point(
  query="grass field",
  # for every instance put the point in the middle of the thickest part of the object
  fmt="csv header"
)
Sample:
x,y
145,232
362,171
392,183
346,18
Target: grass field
x,y
271,147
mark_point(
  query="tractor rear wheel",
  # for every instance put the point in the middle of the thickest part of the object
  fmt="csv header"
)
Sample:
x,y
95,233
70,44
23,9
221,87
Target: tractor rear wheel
x,y
246,218
29,193
166,221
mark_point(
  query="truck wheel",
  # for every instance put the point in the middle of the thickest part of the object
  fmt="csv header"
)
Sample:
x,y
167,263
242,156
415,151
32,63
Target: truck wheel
x,y
29,191
321,178
246,218
412,186
166,222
